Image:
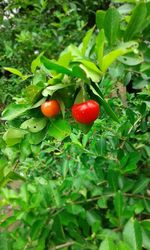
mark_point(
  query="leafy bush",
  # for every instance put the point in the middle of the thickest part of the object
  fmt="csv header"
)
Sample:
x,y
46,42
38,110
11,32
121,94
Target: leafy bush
x,y
75,190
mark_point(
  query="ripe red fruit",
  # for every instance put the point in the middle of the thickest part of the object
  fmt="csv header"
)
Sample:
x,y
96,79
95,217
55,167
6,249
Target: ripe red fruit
x,y
50,108
86,112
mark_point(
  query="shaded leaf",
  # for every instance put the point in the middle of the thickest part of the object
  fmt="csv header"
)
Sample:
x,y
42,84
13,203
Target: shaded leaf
x,y
111,24
59,129
137,20
100,16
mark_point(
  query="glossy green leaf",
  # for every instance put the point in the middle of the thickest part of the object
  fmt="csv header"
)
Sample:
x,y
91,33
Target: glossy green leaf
x,y
51,65
38,104
86,41
50,90
34,125
137,20
36,63
65,58
17,72
90,65
14,110
78,72
107,244
100,40
113,55
96,91
111,25
13,136
132,234
59,129
100,16
93,75
118,203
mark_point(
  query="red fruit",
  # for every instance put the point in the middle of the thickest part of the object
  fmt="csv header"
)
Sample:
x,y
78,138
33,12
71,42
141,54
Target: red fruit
x,y
50,108
86,112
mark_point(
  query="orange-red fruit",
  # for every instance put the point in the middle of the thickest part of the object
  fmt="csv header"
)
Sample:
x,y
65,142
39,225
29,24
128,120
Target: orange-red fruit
x,y
86,112
50,108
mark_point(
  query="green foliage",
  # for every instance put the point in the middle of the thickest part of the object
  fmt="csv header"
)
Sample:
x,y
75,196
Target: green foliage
x,y
65,185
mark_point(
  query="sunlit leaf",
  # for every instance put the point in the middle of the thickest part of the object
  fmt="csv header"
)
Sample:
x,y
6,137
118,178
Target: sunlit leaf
x,y
132,234
34,125
14,110
13,136
113,55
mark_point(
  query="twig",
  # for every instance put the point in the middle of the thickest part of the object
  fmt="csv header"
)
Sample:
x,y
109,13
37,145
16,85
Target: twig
x,y
129,131
67,244
137,196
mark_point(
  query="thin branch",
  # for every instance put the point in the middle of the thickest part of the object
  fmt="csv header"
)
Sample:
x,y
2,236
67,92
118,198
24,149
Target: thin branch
x,y
67,244
138,196
129,131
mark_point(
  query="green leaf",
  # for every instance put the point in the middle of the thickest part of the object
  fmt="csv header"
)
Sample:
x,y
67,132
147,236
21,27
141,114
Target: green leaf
x,y
38,104
123,246
100,16
141,185
36,138
107,244
4,240
15,176
36,63
100,40
13,71
34,125
86,41
131,60
118,203
75,209
89,65
13,136
102,202
137,20
111,25
132,234
146,239
93,75
146,224
113,179
113,55
78,72
50,90
17,72
36,229
14,110
96,91
51,65
59,129
65,58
